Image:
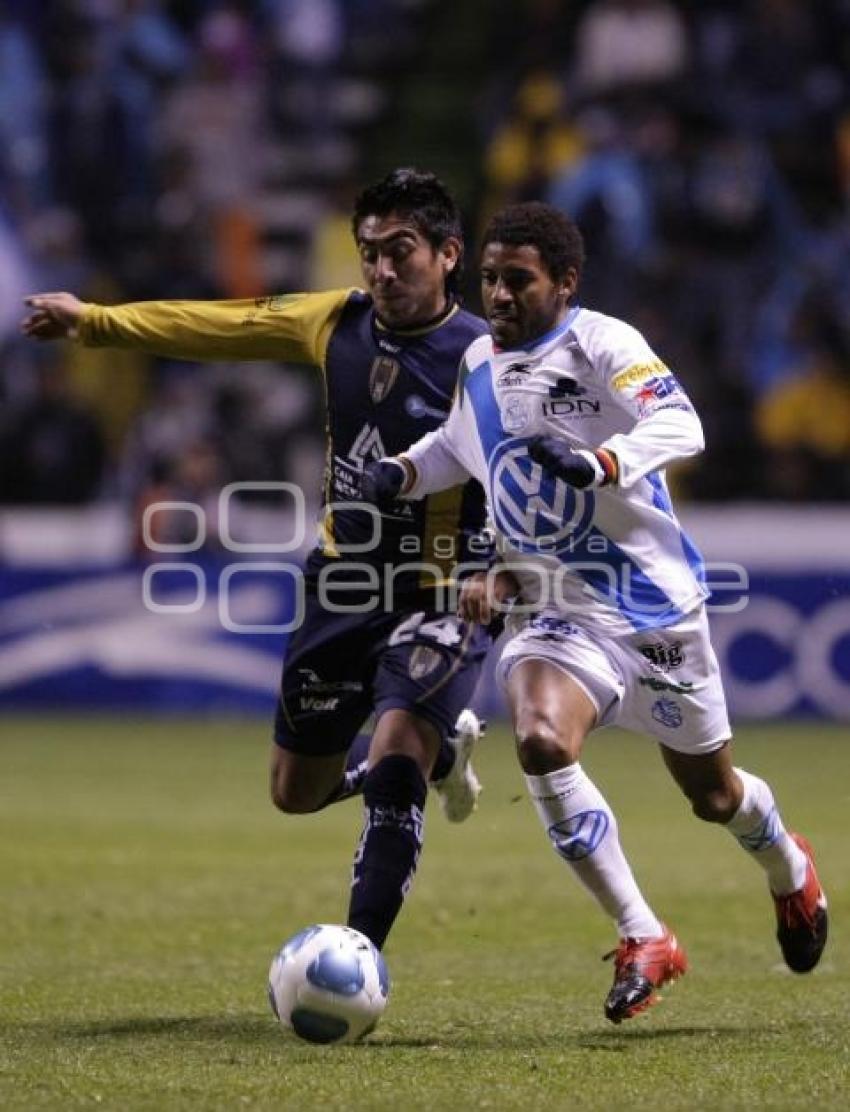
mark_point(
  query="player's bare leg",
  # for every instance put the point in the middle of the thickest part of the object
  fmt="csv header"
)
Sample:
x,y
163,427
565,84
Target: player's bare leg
x,y
744,804
552,716
301,783
452,776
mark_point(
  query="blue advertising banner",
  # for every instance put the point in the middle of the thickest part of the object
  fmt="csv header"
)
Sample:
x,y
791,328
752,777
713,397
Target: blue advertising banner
x,y
207,637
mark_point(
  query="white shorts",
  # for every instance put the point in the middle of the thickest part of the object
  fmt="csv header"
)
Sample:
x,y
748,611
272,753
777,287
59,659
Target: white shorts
x,y
664,682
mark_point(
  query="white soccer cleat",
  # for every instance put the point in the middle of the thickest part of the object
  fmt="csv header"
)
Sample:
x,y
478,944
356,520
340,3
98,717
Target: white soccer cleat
x,y
459,791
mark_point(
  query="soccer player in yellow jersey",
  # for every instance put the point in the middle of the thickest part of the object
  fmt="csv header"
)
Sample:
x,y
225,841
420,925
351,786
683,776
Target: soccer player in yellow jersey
x,y
374,638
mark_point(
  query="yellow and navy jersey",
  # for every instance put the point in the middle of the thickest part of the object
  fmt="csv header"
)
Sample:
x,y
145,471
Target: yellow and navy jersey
x,y
384,390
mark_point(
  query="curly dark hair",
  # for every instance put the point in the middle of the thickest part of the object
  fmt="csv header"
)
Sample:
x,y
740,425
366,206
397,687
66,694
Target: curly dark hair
x,y
535,224
420,196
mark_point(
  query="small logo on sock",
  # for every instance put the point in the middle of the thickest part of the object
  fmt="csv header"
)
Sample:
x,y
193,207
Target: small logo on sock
x,y
764,835
577,837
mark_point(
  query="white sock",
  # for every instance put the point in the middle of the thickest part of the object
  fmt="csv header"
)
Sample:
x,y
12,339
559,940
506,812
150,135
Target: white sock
x,y
759,829
583,831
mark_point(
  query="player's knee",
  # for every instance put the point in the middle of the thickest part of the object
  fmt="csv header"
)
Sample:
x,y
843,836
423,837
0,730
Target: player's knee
x,y
292,798
714,805
540,746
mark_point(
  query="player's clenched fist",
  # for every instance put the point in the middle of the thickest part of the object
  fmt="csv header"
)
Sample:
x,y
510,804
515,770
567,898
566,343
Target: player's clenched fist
x,y
54,316
482,594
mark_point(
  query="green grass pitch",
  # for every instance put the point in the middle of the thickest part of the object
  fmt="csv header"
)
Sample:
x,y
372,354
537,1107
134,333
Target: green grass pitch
x,y
145,882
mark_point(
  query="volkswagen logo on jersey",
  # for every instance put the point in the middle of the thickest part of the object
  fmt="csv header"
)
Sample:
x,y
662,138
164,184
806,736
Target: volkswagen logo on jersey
x,y
532,509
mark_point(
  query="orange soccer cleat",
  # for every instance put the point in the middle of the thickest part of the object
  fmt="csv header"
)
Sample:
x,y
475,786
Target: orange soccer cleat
x,y
802,921
640,967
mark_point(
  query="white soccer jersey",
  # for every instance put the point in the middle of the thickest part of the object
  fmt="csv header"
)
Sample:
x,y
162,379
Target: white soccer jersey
x,y
614,557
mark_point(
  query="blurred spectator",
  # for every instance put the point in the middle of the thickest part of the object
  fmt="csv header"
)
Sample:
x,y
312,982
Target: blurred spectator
x,y
159,149
214,135
534,141
804,420
732,225
194,477
629,43
51,448
15,277
607,193
25,179
308,37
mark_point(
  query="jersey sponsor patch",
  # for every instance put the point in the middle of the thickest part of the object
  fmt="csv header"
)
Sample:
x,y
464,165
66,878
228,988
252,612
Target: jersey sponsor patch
x,y
657,392
367,446
663,655
683,687
532,508
549,625
639,372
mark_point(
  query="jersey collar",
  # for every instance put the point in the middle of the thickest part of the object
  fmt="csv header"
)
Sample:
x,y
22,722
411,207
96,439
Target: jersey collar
x,y
547,337
421,330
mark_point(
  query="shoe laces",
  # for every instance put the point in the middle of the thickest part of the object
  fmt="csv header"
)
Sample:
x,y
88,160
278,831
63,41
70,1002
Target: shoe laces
x,y
625,955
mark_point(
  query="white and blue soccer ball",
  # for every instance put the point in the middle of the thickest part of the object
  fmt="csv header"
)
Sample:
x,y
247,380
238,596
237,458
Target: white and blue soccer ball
x,y
328,984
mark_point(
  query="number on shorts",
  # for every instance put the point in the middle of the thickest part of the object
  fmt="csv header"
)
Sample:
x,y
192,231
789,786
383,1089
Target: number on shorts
x,y
442,630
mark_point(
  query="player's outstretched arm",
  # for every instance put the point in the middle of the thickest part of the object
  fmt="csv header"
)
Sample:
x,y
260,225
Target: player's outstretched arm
x,y
293,328
52,316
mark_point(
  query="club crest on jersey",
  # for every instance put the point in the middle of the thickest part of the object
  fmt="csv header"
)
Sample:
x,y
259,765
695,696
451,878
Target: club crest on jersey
x,y
382,377
667,713
517,415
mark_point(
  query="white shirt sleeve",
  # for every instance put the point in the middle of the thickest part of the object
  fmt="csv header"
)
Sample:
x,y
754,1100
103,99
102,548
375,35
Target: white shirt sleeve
x,y
656,440
666,425
436,460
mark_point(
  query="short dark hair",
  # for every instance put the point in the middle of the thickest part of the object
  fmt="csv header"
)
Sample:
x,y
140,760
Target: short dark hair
x,y
545,227
420,196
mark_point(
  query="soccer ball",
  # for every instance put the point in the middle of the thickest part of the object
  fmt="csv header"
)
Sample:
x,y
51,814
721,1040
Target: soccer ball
x,y
328,984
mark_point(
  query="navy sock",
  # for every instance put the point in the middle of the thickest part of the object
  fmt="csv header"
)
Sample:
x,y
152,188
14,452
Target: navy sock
x,y
394,797
356,768
355,771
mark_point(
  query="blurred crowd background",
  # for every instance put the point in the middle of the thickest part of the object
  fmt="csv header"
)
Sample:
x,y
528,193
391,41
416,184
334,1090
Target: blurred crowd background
x,y
200,149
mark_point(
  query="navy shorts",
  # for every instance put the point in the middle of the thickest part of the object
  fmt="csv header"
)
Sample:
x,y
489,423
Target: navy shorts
x,y
339,668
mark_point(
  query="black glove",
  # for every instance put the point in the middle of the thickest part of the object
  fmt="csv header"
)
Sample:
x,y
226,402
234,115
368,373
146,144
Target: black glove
x,y
381,482
578,467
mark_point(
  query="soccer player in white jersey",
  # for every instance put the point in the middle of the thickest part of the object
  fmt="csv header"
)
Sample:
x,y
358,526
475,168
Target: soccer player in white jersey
x,y
568,419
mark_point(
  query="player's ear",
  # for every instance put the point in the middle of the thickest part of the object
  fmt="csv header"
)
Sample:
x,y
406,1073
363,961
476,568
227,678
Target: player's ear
x,y
570,282
450,252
